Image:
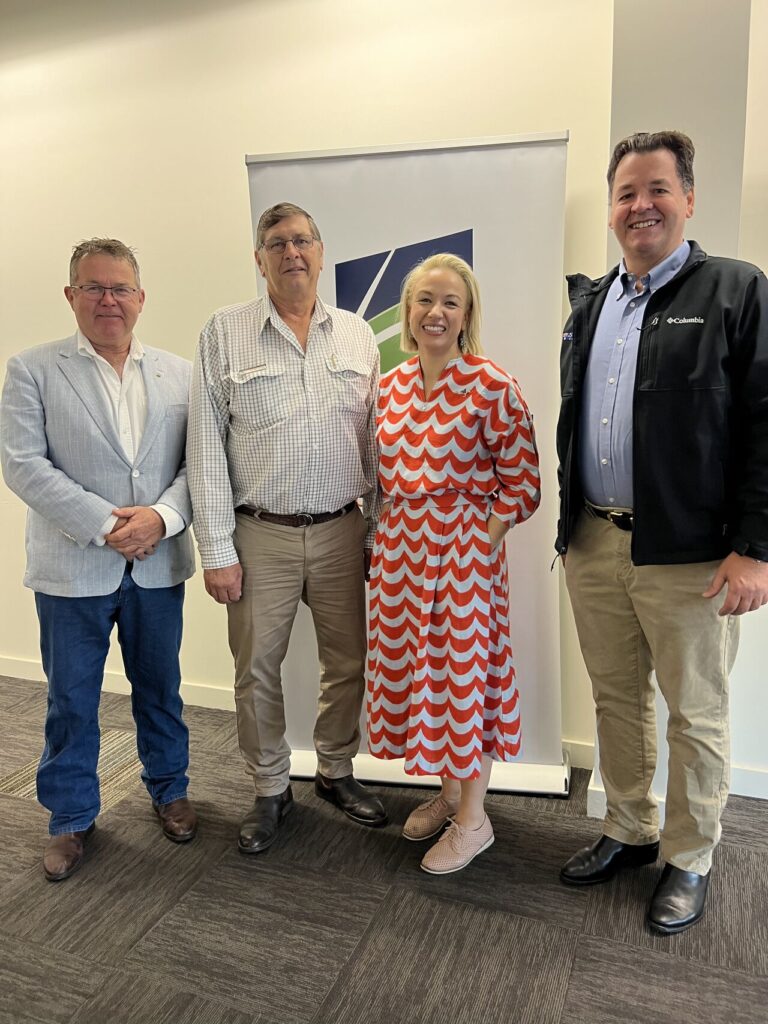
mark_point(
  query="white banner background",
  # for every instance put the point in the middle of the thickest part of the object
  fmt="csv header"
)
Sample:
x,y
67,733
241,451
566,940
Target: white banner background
x,y
511,193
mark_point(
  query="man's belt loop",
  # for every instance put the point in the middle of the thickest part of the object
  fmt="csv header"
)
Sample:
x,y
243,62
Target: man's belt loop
x,y
301,519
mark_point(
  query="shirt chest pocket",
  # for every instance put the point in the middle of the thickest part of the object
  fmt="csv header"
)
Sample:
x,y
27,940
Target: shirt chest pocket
x,y
259,398
351,384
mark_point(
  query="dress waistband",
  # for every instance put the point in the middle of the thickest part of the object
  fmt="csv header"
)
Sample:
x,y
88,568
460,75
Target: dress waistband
x,y
451,500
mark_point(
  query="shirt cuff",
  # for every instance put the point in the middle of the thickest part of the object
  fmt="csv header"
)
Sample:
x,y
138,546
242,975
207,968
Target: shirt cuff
x,y
100,539
173,522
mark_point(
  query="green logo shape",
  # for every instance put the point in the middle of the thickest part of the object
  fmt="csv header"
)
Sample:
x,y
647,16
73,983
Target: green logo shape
x,y
386,327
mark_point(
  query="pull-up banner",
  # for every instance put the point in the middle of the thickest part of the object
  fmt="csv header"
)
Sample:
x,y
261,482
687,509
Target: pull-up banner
x,y
498,203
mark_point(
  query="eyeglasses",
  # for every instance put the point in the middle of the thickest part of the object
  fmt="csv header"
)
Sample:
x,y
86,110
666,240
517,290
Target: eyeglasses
x,y
96,291
278,245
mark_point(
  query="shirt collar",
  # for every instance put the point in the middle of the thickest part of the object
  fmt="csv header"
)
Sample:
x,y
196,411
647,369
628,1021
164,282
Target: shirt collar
x,y
656,276
86,348
320,314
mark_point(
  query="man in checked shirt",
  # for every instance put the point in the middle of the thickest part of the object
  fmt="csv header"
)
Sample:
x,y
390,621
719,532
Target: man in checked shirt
x,y
281,445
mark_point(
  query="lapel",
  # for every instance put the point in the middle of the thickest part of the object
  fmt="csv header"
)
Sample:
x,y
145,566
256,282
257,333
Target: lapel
x,y
153,372
84,380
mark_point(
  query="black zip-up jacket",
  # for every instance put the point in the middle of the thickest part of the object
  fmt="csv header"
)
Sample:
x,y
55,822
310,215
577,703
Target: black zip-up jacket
x,y
700,412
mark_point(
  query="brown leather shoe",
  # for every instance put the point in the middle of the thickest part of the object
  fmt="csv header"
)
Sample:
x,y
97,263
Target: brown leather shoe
x,y
63,854
178,819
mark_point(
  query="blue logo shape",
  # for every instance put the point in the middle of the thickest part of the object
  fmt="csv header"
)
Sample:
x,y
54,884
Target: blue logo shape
x,y
370,287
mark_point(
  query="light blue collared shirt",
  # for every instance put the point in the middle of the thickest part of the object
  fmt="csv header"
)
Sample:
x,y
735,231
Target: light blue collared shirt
x,y
605,451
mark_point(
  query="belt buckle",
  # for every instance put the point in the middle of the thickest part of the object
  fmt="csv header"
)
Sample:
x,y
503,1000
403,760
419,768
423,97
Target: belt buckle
x,y
622,520
306,518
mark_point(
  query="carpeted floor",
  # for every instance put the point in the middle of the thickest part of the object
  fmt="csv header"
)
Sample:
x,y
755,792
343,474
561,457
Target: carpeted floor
x,y
336,923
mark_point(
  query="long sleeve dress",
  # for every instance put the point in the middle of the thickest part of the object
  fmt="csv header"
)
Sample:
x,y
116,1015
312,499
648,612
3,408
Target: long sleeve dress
x,y
441,688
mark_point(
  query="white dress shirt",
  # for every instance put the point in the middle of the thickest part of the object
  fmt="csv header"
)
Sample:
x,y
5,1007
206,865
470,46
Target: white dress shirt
x,y
127,397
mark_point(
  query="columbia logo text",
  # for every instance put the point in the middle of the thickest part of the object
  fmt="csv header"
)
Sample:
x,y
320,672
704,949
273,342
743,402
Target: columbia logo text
x,y
685,319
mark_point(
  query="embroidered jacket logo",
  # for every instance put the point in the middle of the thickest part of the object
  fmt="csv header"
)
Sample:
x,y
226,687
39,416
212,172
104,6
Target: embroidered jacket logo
x,y
685,319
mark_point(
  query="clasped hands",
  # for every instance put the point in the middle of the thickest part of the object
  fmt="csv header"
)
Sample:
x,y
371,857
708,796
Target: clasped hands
x,y
137,532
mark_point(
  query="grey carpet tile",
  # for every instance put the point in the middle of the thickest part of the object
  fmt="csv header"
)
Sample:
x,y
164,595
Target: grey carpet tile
x,y
733,932
132,998
318,835
431,961
26,698
21,741
23,833
219,788
574,806
260,938
119,771
115,712
315,834
130,877
745,822
212,729
13,692
612,983
519,873
38,989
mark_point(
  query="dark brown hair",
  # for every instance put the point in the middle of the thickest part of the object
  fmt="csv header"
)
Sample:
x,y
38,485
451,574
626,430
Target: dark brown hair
x,y
678,144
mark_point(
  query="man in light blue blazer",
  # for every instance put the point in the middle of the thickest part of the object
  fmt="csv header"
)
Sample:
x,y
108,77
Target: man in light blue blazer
x,y
92,431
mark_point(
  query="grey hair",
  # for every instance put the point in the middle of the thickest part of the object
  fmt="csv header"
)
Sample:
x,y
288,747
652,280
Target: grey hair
x,y
102,247
279,212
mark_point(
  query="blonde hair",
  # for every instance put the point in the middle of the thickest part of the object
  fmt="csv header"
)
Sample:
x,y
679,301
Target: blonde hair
x,y
443,261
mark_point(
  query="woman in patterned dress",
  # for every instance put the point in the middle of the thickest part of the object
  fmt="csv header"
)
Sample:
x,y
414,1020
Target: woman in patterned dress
x,y
458,468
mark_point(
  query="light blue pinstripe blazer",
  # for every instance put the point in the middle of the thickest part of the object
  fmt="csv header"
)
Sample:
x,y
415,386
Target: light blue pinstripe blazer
x,y
61,455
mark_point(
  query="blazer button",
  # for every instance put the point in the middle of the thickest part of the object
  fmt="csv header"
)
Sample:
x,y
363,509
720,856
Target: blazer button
x,y
135,473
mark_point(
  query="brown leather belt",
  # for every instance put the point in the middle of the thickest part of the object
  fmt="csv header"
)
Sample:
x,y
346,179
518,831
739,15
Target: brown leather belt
x,y
300,519
623,520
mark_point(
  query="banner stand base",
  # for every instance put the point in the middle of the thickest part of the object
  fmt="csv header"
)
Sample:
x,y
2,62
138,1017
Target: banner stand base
x,y
552,780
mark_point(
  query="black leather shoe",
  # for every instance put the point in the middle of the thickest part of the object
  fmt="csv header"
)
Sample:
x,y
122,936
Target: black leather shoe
x,y
601,861
678,901
259,827
353,799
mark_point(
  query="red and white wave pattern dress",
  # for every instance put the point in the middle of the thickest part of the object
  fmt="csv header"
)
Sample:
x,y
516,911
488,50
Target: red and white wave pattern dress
x,y
441,680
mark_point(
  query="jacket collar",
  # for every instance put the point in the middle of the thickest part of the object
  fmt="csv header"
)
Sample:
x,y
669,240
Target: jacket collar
x,y
581,286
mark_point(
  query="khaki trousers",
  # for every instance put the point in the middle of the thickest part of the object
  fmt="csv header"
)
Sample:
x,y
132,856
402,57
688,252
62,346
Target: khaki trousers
x,y
322,566
633,619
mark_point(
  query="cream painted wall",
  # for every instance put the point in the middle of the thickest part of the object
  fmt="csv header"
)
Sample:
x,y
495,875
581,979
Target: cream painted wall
x,y
753,239
134,120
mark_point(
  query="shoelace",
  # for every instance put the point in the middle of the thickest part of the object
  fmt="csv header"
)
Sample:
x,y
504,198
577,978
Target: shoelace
x,y
438,805
453,836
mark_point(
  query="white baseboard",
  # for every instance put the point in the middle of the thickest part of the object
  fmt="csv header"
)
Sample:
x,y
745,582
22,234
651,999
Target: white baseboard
x,y
582,755
201,695
21,668
744,782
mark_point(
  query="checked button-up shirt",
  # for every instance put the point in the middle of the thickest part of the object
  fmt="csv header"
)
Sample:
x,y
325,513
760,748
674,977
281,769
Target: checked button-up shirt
x,y
276,427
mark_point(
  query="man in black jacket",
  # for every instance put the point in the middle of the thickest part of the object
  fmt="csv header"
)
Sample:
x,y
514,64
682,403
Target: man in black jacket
x,y
663,447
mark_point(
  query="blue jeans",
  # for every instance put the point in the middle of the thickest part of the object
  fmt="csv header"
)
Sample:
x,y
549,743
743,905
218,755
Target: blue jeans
x,y
74,641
